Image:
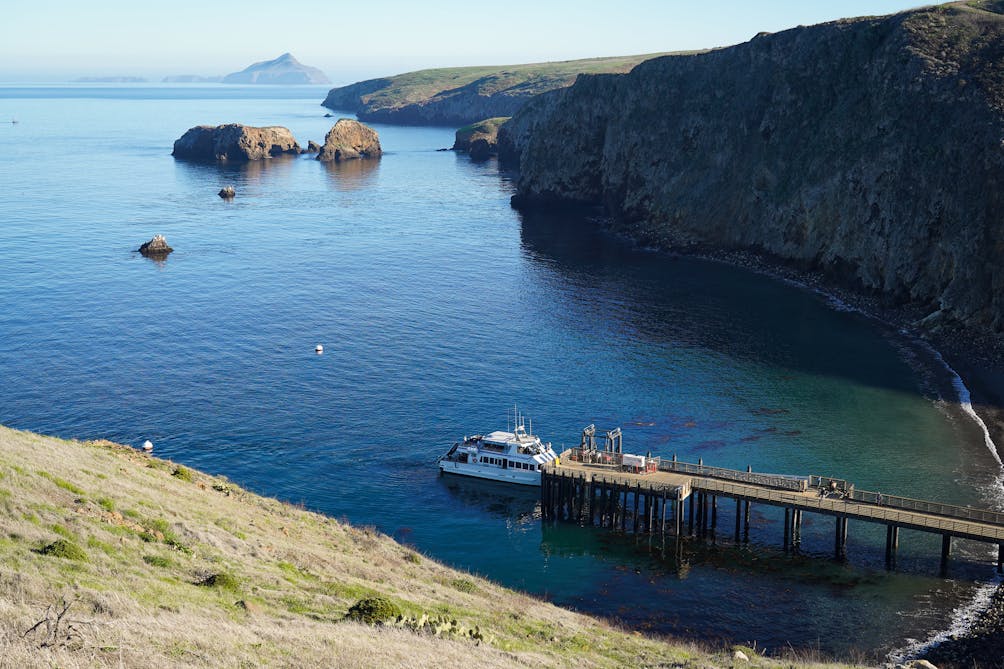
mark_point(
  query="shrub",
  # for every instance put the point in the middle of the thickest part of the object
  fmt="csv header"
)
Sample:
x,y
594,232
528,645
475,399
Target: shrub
x,y
62,531
413,558
463,585
157,561
373,610
221,581
63,548
183,473
106,504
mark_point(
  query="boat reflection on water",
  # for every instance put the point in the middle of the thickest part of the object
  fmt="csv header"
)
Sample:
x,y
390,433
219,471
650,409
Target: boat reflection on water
x,y
519,506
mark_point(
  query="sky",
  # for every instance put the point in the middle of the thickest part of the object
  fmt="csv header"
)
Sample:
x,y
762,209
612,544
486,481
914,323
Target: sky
x,y
60,40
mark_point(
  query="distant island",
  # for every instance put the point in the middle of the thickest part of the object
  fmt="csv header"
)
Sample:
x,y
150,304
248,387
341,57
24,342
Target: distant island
x,y
192,79
284,70
462,95
110,80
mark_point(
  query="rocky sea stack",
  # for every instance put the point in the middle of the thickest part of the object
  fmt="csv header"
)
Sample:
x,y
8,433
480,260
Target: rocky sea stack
x,y
479,140
869,149
348,140
234,141
155,248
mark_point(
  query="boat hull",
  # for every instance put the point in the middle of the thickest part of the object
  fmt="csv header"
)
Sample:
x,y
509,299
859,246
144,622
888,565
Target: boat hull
x,y
491,473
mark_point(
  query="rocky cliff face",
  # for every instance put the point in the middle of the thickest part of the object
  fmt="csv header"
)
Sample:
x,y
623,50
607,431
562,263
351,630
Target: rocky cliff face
x,y
234,142
348,140
872,149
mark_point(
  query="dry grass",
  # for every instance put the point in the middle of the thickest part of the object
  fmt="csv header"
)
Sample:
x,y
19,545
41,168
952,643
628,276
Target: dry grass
x,y
184,571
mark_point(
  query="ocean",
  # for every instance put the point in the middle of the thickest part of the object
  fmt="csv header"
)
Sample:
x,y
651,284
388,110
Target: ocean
x,y
439,307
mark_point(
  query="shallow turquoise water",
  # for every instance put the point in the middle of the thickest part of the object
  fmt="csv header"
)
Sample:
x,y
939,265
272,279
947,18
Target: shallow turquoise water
x,y
439,307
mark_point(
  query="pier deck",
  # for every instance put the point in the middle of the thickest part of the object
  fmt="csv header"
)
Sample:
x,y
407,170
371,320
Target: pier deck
x,y
587,484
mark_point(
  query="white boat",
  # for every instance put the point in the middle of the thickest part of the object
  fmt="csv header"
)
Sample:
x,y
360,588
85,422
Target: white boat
x,y
511,457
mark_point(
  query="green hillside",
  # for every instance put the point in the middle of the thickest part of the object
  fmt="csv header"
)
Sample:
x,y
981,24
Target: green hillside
x,y
114,558
461,95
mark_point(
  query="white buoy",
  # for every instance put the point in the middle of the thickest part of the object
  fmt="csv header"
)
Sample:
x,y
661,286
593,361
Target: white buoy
x,y
147,445
318,349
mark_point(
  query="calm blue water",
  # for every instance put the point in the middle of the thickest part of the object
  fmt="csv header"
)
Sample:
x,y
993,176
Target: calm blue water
x,y
439,307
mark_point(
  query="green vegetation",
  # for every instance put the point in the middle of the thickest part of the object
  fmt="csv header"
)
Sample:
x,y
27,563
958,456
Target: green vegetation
x,y
158,561
373,610
64,548
62,483
183,473
463,585
221,581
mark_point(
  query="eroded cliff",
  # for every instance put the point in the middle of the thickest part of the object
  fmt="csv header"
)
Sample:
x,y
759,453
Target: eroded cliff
x,y
872,149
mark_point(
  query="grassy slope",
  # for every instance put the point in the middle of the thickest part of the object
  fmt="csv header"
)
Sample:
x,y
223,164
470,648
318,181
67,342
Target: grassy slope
x,y
423,85
151,532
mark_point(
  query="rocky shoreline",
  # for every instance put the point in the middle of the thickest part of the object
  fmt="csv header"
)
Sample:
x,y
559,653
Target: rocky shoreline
x,y
982,647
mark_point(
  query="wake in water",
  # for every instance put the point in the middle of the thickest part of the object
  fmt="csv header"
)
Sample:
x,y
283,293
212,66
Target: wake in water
x,y
965,401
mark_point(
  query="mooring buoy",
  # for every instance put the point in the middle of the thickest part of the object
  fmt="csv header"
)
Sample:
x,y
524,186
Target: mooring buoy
x,y
318,349
147,445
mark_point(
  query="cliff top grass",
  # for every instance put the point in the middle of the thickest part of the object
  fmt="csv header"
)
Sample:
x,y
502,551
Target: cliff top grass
x,y
422,85
113,558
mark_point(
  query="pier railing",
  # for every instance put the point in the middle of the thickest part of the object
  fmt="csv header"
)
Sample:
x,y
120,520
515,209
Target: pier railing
x,y
779,481
887,514
616,460
908,504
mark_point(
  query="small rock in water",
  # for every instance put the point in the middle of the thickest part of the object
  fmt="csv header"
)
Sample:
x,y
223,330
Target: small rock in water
x,y
313,147
156,247
227,192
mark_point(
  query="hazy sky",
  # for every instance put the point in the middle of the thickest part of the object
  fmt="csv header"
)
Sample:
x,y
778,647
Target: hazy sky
x,y
64,39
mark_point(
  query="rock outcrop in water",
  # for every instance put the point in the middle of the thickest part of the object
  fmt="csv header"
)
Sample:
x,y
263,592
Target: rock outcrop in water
x,y
871,149
349,140
234,142
156,248
479,140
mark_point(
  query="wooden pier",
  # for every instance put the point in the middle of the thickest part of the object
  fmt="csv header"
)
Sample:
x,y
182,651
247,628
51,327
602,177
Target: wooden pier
x,y
654,495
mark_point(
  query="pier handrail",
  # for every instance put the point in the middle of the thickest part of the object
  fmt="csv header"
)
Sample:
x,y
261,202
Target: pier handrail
x,y
779,481
891,515
933,508
910,504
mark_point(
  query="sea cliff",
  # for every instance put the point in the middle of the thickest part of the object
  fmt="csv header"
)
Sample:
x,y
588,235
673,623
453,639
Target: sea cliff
x,y
867,149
